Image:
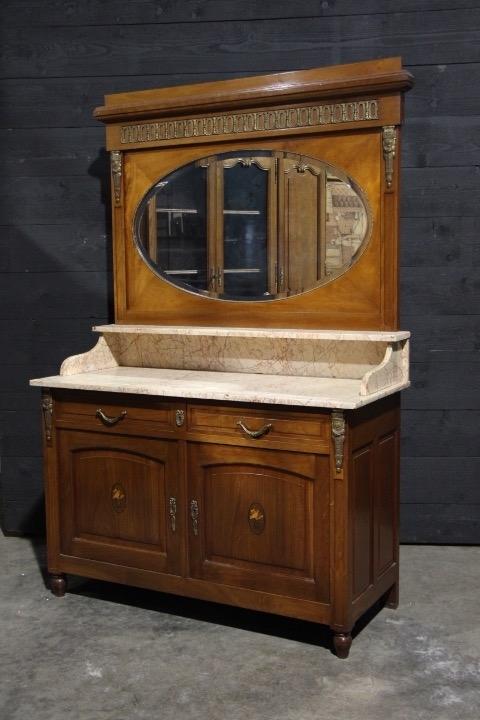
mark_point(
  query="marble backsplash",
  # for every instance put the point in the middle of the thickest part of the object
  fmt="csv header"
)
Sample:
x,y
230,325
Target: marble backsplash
x,y
264,355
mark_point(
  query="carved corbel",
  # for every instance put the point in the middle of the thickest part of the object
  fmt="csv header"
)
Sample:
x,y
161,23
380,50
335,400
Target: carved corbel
x,y
47,409
116,167
338,437
389,141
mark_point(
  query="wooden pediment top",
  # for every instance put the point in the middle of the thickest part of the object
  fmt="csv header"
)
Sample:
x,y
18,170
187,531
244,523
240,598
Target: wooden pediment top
x,y
355,79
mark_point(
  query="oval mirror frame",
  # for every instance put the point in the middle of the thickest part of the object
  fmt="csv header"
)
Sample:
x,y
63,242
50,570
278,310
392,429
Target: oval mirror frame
x,y
296,196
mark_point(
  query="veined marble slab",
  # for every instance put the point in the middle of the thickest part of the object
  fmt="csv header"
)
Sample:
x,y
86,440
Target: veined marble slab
x,y
245,350
313,368
265,355
295,334
234,387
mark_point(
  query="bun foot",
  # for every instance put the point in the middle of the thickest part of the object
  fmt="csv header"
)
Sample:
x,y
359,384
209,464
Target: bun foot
x,y
58,585
392,597
342,643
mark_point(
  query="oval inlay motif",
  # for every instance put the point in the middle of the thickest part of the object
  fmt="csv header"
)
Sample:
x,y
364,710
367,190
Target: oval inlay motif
x,y
256,518
119,498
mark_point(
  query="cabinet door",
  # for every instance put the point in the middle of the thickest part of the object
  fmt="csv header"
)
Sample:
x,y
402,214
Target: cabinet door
x,y
302,224
260,519
242,219
119,499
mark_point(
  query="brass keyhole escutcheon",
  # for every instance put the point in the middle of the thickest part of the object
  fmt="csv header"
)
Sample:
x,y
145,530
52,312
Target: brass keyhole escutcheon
x,y
256,518
179,417
119,498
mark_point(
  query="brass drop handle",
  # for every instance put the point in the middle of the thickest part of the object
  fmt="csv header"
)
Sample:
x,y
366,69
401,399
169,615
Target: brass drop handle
x,y
254,433
107,420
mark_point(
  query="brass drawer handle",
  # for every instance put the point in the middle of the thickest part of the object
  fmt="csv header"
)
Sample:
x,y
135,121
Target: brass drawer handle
x,y
194,516
254,433
107,420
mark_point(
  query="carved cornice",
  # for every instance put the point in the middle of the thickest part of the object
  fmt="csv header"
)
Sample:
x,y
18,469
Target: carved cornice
x,y
317,84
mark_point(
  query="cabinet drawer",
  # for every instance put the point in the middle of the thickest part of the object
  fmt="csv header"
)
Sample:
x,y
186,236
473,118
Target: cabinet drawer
x,y
124,414
261,427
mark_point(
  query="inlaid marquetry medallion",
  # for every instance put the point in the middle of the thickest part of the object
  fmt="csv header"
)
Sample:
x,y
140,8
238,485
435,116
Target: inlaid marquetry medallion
x,y
119,498
256,518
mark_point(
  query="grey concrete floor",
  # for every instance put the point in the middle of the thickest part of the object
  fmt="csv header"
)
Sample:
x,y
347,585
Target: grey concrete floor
x,y
105,652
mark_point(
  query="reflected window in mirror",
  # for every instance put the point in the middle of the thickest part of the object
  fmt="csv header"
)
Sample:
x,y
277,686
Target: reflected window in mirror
x,y
252,225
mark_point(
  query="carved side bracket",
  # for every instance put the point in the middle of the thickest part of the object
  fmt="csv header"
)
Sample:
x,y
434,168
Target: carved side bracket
x,y
116,166
389,150
47,409
392,370
100,357
338,436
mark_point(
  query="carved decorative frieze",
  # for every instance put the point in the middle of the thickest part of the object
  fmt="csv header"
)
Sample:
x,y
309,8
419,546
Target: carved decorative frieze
x,y
247,122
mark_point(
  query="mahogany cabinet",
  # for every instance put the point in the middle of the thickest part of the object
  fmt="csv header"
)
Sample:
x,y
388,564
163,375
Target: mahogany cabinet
x,y
234,435
177,497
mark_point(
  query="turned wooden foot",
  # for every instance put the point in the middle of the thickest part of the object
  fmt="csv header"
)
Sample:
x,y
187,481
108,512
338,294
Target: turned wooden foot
x,y
58,585
392,597
342,643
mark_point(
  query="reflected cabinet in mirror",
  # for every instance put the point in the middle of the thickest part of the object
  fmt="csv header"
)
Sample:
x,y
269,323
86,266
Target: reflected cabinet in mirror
x,y
252,225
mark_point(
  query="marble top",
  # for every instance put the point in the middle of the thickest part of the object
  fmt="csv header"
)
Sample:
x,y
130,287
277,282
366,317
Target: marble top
x,y
343,394
296,334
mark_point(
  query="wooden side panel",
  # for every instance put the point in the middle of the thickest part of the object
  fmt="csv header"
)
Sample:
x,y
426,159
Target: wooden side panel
x,y
386,482
373,483
363,520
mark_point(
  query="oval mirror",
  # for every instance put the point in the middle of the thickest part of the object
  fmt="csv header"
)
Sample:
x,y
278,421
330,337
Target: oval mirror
x,y
252,225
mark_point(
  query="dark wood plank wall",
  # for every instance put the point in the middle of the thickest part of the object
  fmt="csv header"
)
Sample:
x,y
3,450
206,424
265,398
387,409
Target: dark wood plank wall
x,y
59,58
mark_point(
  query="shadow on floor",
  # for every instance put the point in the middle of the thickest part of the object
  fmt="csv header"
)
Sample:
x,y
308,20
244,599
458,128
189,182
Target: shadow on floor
x,y
203,611
210,612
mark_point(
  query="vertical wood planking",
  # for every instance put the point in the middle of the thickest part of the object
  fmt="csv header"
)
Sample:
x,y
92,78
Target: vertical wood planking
x,y
55,247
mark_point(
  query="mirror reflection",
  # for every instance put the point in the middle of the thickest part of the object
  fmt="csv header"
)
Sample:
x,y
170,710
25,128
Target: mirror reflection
x,y
252,225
